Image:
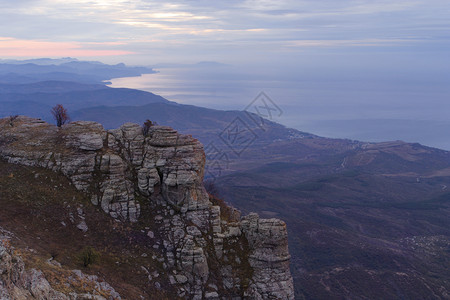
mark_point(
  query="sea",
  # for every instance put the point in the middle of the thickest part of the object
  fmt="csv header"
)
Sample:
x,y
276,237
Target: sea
x,y
367,108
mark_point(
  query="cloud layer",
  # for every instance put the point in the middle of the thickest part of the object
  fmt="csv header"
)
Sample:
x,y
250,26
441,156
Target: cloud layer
x,y
217,30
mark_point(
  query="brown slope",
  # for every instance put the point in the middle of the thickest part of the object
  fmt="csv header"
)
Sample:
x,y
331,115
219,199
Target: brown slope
x,y
364,223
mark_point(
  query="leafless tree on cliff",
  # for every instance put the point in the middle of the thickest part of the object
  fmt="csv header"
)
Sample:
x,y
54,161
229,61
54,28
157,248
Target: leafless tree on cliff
x,y
60,115
12,118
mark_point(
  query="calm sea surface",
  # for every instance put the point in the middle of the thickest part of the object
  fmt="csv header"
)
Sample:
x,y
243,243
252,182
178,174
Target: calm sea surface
x,y
362,109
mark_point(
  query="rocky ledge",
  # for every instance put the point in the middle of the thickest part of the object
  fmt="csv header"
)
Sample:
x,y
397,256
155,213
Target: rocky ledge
x,y
18,283
210,254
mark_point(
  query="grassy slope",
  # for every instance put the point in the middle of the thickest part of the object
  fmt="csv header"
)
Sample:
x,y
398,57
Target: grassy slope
x,y
34,204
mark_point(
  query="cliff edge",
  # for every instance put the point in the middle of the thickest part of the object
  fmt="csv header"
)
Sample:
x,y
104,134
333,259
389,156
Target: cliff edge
x,y
207,251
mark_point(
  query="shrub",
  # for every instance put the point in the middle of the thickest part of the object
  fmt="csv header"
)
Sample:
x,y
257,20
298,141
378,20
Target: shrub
x,y
227,212
60,115
146,126
12,118
89,256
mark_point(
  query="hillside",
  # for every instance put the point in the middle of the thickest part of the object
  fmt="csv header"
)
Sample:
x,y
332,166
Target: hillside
x,y
138,200
366,223
204,123
37,99
40,214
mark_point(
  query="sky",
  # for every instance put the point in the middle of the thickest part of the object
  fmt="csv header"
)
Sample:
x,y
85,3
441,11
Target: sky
x,y
370,70
226,31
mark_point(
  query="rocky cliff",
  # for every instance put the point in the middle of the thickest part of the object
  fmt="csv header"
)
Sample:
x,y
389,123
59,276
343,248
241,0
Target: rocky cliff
x,y
207,251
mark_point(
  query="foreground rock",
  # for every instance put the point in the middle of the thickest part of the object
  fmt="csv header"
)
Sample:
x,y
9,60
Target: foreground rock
x,y
209,254
18,283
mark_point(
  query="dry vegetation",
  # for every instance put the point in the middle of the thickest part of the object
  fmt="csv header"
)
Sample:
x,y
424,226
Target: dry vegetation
x,y
37,207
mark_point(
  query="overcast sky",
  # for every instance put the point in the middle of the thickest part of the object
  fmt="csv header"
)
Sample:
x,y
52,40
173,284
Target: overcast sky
x,y
363,69
228,31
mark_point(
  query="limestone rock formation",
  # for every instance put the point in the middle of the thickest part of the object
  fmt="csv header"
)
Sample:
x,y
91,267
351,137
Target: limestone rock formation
x,y
126,173
18,283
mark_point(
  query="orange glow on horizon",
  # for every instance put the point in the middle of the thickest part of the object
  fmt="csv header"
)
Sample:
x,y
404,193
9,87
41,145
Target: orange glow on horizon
x,y
11,47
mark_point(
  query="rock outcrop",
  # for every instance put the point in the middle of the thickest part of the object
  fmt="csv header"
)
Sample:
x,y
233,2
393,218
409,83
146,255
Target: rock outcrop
x,y
18,283
159,177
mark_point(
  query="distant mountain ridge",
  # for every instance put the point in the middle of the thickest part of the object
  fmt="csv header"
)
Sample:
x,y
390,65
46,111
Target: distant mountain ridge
x,y
32,71
37,99
51,86
40,61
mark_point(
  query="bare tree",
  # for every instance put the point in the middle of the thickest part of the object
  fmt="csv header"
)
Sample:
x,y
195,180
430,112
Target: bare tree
x,y
12,118
60,115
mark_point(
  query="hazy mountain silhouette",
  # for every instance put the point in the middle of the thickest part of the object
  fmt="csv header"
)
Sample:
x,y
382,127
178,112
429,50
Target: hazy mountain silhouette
x,y
36,99
48,87
69,70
